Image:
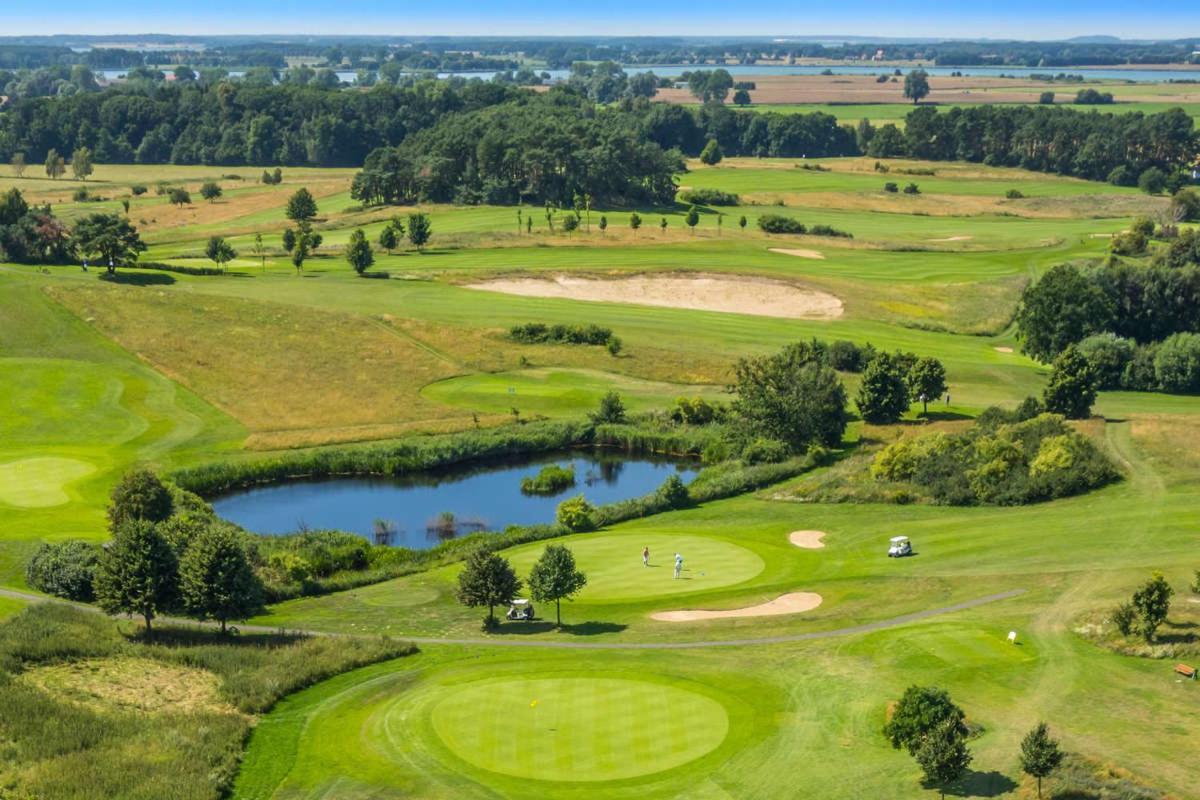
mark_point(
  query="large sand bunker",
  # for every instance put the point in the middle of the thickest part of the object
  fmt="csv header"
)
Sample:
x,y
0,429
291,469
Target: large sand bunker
x,y
798,252
810,540
758,296
791,603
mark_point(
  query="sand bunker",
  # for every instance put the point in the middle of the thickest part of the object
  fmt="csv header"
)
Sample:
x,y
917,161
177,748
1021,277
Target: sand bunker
x,y
791,603
1003,349
809,540
954,239
788,251
758,296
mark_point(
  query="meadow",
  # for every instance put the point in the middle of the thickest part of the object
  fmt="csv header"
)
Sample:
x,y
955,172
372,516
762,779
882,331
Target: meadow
x,y
175,370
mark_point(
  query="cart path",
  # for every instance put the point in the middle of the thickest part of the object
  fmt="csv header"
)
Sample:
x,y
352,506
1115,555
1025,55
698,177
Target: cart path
x,y
866,627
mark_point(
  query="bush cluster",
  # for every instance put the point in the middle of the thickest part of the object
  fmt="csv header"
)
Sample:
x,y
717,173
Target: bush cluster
x,y
550,480
541,333
997,462
1172,365
777,223
709,197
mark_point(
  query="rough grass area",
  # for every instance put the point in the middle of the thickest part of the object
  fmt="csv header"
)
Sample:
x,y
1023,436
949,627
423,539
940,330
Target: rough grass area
x,y
290,375
91,711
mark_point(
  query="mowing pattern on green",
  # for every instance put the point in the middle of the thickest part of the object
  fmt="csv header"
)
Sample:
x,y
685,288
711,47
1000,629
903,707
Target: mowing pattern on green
x,y
40,482
577,728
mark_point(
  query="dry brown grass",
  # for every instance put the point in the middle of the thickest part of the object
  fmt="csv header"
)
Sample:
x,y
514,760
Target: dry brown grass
x,y
131,684
293,376
1171,441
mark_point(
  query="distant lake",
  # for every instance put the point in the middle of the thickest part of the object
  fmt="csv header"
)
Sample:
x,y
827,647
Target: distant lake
x,y
483,496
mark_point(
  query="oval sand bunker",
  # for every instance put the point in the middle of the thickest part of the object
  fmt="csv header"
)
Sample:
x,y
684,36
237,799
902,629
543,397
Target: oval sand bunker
x,y
809,540
759,296
791,603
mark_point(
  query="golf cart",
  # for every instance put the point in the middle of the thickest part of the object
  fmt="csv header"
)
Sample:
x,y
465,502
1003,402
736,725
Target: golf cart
x,y
520,611
899,546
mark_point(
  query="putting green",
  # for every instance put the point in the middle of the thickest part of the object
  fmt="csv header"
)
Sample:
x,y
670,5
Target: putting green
x,y
578,729
40,482
613,564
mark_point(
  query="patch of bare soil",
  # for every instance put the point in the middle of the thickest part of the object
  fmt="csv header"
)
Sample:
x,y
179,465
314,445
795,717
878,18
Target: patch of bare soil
x,y
791,603
798,252
758,296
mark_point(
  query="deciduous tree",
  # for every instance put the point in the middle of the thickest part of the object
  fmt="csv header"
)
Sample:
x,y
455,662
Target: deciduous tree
x,y
419,230
1040,754
81,163
216,579
554,577
1072,387
110,237
883,395
486,581
137,572
358,252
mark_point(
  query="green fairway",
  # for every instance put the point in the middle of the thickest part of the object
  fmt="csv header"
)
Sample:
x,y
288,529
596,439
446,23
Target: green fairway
x,y
578,728
556,392
614,568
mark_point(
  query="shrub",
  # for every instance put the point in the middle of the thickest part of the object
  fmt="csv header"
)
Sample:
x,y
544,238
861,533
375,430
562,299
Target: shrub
x,y
541,333
891,186
1130,243
65,569
765,451
1109,356
137,189
1092,97
1124,618
674,493
694,411
611,409
846,356
550,480
912,188
1152,181
576,514
997,463
1046,98
709,197
1177,363
826,230
1014,194
1122,175
775,223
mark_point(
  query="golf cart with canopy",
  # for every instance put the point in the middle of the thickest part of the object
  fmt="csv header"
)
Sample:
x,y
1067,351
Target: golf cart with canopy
x,y
519,611
899,546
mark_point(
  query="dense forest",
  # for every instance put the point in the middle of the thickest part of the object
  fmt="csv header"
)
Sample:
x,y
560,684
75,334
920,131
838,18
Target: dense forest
x,y
235,122
552,147
1047,139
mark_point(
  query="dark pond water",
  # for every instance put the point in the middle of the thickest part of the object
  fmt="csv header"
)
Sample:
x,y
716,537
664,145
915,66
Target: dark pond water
x,y
484,496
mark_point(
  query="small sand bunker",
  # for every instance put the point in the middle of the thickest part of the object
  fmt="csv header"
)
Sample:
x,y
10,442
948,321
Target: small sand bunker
x,y
791,603
759,296
809,540
1003,349
798,252
954,239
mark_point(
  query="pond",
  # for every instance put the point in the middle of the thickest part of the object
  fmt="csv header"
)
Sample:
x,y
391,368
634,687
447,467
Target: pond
x,y
416,509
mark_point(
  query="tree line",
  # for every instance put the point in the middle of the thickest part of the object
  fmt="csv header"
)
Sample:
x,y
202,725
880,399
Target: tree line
x,y
234,122
1043,138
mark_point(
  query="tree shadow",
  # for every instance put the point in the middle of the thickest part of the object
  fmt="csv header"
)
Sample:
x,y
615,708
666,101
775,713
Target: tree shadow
x,y
538,626
174,635
138,278
943,416
982,784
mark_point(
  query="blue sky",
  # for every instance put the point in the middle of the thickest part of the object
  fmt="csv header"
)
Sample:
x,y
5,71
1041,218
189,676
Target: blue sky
x,y
1024,19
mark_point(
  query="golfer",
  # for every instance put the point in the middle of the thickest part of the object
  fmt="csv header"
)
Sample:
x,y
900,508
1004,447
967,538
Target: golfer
x,y
645,556
678,564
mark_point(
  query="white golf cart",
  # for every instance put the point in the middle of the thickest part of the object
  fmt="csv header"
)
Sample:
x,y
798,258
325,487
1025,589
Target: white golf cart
x,y
899,546
519,611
